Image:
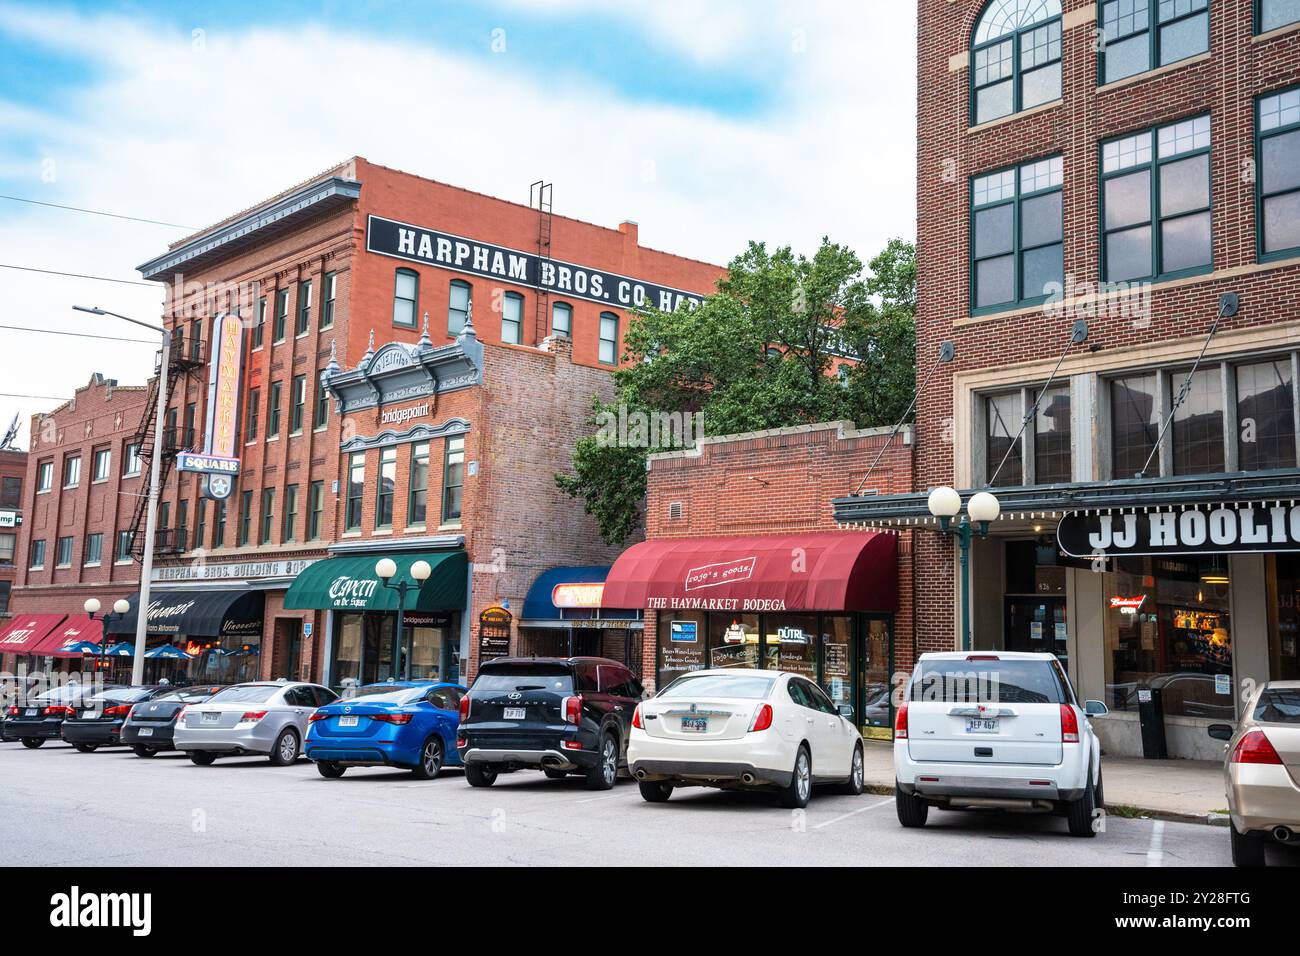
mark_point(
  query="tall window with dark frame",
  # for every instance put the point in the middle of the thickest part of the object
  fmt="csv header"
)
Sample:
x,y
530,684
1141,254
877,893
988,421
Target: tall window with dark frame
x,y
453,479
1156,219
298,395
1197,428
1277,151
356,491
417,504
288,531
1266,423
123,552
1016,246
259,330
608,349
320,414
273,410
329,295
458,303
562,319
1275,14
281,315
219,524
1132,43
1003,415
304,308
245,518
315,509
406,296
11,492
268,516
1015,61
512,318
200,521
1052,436
251,416
1134,423
385,488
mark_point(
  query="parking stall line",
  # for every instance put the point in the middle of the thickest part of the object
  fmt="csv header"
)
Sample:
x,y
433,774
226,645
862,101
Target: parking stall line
x,y
854,813
1156,851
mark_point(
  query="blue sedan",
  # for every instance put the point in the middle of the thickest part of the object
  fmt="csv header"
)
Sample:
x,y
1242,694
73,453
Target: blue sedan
x,y
407,724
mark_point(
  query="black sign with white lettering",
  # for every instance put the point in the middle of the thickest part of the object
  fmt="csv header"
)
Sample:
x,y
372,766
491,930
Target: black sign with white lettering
x,y
1199,529
418,244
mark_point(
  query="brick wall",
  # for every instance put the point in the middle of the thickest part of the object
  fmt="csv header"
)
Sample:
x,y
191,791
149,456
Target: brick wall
x,y
13,465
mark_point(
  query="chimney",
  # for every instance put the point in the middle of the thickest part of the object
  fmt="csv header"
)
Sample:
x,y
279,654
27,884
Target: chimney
x,y
629,230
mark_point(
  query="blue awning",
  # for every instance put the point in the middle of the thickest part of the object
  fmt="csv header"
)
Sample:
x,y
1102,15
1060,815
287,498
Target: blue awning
x,y
540,606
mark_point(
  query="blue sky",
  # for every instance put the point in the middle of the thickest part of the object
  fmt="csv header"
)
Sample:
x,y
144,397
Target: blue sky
x,y
709,122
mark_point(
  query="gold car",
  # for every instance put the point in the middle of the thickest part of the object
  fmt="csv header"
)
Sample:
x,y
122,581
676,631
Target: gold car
x,y
1262,771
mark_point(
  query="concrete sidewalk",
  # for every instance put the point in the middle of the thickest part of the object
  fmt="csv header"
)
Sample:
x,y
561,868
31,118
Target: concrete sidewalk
x,y
1177,789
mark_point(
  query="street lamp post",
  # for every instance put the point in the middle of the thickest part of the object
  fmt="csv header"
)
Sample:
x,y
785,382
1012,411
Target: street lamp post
x,y
151,516
385,569
120,607
944,503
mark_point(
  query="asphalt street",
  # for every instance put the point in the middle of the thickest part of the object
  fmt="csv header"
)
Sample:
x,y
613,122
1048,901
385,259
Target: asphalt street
x,y
110,808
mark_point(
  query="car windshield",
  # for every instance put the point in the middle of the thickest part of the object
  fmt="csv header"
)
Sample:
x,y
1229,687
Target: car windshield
x,y
986,681
62,695
120,694
745,686
246,694
388,694
1278,705
552,677
189,695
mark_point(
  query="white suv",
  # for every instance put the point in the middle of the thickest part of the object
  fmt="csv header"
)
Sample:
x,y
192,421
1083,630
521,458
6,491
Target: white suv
x,y
996,729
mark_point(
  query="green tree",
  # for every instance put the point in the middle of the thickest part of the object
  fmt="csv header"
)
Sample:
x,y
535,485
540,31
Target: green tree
x,y
761,352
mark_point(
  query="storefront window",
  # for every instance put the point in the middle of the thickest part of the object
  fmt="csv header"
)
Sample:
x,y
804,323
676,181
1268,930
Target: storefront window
x,y
837,658
1283,578
428,645
791,642
874,670
733,640
1134,423
347,651
1167,628
682,642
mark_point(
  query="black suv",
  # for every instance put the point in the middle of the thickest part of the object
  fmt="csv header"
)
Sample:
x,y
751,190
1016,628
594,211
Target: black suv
x,y
560,715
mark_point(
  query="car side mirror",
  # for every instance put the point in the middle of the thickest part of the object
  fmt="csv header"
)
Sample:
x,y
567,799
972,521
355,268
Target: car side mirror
x,y
1095,708
846,710
1220,731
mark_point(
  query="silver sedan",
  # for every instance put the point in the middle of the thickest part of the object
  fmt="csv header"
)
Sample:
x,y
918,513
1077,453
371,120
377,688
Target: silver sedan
x,y
261,717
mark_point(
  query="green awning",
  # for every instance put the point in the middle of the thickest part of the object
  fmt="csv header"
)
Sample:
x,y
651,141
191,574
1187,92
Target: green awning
x,y
349,583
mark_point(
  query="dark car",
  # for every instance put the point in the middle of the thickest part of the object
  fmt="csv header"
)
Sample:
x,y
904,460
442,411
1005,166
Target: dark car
x,y
151,724
96,721
40,718
558,715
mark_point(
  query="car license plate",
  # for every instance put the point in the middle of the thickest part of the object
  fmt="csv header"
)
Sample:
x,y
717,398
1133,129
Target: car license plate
x,y
695,725
31,711
145,732
515,713
347,721
981,725
211,717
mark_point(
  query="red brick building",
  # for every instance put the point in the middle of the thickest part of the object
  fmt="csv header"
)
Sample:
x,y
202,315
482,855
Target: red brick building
x,y
1127,163
417,362
82,479
13,472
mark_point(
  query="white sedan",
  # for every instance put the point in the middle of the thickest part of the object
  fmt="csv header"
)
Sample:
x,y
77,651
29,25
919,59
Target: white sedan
x,y
736,729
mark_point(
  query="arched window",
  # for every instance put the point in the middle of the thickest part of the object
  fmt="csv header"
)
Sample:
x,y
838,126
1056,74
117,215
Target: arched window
x,y
1015,58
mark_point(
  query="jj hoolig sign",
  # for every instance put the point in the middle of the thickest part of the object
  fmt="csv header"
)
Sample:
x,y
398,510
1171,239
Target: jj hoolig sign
x,y
418,244
1199,529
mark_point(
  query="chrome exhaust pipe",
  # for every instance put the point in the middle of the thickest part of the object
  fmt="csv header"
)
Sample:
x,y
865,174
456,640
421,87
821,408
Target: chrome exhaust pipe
x,y
1283,834
640,774
747,778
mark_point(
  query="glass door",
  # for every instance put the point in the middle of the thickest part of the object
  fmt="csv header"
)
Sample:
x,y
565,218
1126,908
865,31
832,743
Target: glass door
x,y
875,664
1038,624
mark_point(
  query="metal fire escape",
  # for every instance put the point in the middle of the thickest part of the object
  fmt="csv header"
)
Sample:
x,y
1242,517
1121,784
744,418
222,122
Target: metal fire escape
x,y
185,358
539,197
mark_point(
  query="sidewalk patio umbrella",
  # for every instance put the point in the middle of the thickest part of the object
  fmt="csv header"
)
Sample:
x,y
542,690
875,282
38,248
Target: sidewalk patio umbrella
x,y
81,647
119,650
169,651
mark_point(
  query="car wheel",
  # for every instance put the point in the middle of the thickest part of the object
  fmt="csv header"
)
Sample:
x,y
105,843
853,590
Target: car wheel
x,y
799,792
605,773
31,743
285,750
655,791
857,781
912,810
142,751
480,774
85,748
1079,812
330,771
202,758
1247,849
431,757
555,774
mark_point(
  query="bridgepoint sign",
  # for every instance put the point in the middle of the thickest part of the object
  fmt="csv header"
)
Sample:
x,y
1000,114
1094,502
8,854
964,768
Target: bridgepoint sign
x,y
400,416
1198,529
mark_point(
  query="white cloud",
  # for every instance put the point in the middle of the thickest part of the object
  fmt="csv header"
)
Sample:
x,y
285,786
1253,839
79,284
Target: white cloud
x,y
190,133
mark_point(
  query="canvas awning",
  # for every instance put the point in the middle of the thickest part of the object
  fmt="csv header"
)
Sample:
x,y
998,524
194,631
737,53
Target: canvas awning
x,y
349,583
213,612
74,630
27,632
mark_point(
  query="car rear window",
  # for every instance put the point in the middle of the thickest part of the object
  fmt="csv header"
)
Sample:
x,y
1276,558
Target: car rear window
x,y
381,694
189,695
745,686
986,682
553,677
1278,705
121,694
245,694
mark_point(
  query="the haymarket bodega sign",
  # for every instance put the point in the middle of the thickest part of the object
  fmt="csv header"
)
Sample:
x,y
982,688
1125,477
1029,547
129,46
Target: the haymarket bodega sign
x,y
1195,529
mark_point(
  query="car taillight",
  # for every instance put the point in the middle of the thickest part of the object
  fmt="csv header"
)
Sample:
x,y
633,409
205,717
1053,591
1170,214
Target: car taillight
x,y
1069,725
636,718
762,718
982,657
252,715
180,714
317,715
120,711
572,709
392,718
1255,748
900,723
464,708
13,711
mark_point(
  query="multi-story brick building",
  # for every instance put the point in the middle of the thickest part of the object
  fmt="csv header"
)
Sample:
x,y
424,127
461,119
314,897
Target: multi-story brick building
x,y
13,471
417,362
82,480
1136,165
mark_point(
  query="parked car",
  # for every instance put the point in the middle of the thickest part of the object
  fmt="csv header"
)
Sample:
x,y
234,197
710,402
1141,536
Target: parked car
x,y
96,721
149,726
407,724
996,730
559,715
41,718
267,718
1262,771
736,728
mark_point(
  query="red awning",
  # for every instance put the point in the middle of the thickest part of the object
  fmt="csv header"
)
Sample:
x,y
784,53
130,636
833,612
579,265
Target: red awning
x,y
75,629
27,632
819,571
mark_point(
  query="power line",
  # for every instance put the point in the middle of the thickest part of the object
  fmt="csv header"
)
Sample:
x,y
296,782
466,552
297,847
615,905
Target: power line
x,y
96,212
43,398
78,275
80,335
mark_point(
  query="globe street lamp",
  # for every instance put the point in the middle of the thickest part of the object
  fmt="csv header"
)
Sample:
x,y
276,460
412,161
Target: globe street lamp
x,y
982,509
120,609
385,570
